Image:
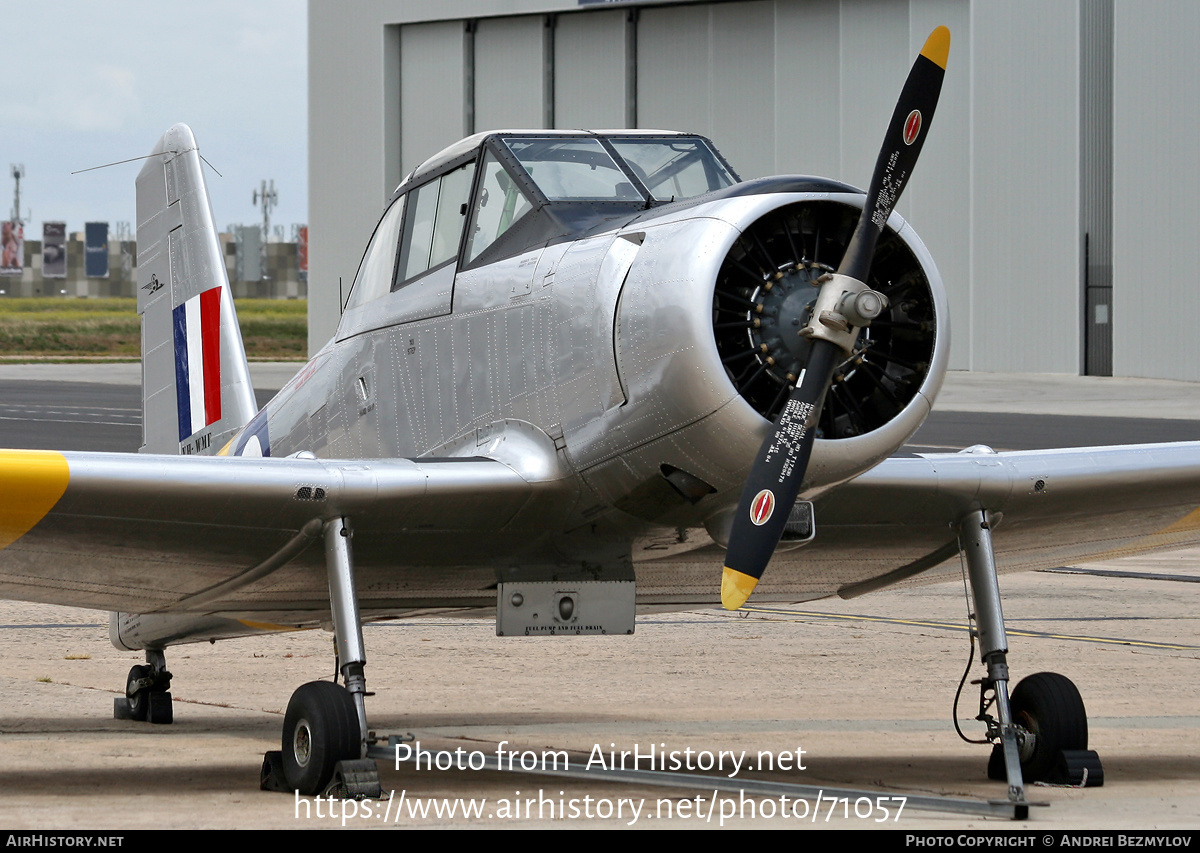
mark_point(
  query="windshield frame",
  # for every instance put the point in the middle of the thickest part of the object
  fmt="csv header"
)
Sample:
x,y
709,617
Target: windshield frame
x,y
585,148
498,143
702,144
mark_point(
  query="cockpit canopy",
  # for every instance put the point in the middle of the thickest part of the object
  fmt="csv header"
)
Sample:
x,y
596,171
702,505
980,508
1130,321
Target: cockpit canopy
x,y
495,195
659,166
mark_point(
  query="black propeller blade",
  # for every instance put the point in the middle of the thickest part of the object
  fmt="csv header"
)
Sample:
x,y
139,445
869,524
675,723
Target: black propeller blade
x,y
844,305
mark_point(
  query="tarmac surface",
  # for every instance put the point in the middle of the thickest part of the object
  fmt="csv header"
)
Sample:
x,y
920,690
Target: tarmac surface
x,y
865,687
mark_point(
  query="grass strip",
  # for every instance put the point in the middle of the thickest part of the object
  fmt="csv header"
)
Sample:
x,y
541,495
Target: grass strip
x,y
51,328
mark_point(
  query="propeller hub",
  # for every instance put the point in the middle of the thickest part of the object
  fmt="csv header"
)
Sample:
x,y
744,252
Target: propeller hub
x,y
861,308
787,307
843,306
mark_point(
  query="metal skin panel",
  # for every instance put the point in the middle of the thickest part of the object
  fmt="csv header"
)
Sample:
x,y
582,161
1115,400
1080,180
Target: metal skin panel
x,y
428,296
579,376
527,435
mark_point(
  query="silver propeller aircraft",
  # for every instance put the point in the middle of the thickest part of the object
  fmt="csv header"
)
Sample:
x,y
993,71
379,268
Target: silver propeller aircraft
x,y
573,370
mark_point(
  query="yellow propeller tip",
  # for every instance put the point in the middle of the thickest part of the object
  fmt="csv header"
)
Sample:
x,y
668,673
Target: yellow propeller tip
x,y
937,47
735,588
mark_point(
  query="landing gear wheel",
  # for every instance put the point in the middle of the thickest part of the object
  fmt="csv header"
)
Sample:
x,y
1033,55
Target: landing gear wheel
x,y
1048,706
320,729
137,695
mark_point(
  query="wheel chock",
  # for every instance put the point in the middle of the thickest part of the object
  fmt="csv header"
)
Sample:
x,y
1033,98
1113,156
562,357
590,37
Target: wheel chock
x,y
160,711
1079,768
270,778
355,779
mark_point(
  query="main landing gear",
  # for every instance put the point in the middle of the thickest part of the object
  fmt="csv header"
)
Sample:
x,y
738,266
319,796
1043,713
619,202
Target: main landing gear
x,y
147,692
325,736
1040,733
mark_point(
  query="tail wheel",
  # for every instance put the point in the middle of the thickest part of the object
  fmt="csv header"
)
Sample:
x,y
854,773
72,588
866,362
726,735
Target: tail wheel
x,y
320,729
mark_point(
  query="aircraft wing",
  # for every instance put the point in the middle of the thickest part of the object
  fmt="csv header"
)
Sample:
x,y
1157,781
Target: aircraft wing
x,y
1051,506
142,533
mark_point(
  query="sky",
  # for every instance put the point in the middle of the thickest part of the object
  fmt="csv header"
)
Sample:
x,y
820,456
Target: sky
x,y
91,83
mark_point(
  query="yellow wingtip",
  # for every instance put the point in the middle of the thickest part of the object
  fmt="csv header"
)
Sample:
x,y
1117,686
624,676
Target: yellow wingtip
x,y
735,588
33,481
937,47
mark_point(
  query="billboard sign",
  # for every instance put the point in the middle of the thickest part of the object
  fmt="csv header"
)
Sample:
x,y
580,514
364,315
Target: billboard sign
x,y
95,249
12,248
54,250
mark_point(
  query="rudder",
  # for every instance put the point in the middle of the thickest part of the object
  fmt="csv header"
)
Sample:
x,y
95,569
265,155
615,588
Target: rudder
x,y
196,390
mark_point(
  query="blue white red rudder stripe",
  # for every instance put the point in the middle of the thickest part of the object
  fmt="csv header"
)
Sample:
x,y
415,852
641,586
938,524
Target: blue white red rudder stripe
x,y
197,325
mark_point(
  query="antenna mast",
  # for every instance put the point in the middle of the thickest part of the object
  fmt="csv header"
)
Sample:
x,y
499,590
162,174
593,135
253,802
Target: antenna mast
x,y
268,198
18,172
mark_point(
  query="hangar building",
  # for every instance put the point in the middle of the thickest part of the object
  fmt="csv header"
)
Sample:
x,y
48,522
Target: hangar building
x,y
1054,192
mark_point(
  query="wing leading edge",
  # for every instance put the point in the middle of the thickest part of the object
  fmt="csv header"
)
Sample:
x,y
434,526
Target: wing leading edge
x,y
163,533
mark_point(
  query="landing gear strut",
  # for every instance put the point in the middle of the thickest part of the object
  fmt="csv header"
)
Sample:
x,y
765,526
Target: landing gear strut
x,y
147,692
1040,734
325,735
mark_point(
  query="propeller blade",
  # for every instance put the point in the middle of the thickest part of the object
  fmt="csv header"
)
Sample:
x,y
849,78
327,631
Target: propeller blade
x,y
778,472
901,145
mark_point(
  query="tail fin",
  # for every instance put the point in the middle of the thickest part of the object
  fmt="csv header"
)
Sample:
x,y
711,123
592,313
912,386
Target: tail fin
x,y
196,390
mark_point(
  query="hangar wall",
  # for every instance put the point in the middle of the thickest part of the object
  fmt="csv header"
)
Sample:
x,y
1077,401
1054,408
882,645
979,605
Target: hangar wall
x,y
1156,182
1017,175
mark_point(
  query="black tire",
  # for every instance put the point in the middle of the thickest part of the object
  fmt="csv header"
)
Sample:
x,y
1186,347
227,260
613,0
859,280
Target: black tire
x,y
320,729
139,699
1049,706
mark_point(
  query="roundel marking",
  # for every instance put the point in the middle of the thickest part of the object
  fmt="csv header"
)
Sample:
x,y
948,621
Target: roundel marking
x,y
912,127
762,506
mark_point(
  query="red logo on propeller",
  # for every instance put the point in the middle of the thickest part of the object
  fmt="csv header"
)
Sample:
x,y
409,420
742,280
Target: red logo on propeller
x,y
912,127
762,507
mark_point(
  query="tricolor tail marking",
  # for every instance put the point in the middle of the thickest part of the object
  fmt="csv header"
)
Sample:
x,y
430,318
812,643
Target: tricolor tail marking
x,y
197,325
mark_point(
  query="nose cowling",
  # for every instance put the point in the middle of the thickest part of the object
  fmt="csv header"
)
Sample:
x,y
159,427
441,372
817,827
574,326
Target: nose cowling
x,y
764,296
